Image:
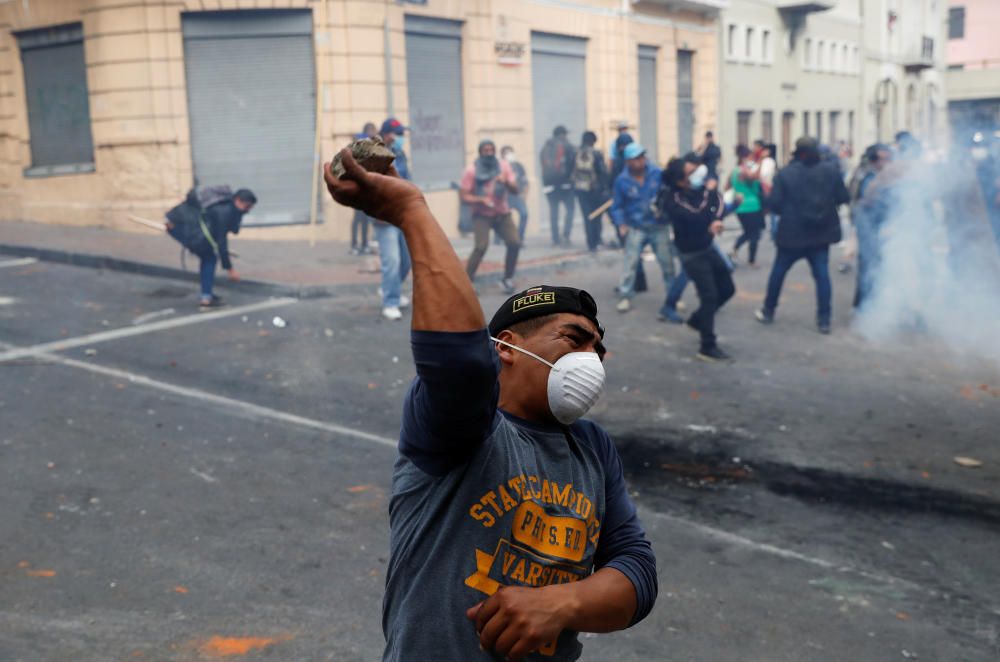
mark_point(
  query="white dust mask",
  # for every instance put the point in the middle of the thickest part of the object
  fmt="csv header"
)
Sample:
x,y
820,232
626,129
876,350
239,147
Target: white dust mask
x,y
576,382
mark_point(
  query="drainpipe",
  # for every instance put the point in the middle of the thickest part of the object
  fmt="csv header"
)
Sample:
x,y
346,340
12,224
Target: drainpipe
x,y
387,36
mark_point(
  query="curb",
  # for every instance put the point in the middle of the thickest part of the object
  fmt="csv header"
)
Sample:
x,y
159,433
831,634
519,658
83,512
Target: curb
x,y
265,288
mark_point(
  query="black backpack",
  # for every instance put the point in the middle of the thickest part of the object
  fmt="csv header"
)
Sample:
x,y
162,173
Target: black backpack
x,y
188,219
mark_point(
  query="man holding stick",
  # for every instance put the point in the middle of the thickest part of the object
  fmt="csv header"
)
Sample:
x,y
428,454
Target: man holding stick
x,y
512,529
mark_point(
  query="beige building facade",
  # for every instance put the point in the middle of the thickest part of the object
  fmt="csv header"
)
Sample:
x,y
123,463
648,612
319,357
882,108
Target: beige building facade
x,y
112,107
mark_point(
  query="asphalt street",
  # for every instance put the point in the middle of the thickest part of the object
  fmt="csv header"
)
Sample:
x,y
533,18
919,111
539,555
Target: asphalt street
x,y
188,486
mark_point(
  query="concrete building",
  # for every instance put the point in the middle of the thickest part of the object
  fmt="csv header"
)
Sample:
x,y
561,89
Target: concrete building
x,y
973,76
852,70
116,106
789,69
904,67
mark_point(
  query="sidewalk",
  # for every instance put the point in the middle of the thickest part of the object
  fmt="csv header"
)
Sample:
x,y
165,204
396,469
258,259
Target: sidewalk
x,y
284,267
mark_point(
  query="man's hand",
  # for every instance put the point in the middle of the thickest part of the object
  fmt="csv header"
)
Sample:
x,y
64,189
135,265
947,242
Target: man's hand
x,y
715,228
515,621
384,197
712,184
622,230
234,275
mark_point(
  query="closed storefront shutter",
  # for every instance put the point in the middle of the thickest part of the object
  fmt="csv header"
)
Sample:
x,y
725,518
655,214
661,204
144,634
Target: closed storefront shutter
x,y
685,102
55,82
252,105
434,84
648,130
558,86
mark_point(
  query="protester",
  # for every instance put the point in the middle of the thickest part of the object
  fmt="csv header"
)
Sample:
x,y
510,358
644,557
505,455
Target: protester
x,y
361,222
806,194
557,159
867,219
669,311
710,155
768,169
745,181
486,185
492,427
202,224
517,200
695,209
393,253
622,140
590,181
633,213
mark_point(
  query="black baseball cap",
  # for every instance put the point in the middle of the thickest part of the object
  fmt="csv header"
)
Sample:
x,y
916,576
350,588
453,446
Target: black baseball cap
x,y
542,300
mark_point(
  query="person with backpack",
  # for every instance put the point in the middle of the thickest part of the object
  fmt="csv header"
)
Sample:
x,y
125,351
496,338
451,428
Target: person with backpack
x,y
557,159
590,177
202,224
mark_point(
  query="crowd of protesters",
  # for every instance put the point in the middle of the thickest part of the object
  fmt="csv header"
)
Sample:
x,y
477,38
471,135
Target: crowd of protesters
x,y
676,211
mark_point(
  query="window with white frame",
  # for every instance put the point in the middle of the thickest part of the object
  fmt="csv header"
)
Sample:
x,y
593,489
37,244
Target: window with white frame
x,y
807,54
731,36
820,55
833,57
765,46
748,53
855,60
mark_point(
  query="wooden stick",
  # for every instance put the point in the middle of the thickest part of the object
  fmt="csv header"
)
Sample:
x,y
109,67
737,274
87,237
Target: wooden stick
x,y
148,223
600,210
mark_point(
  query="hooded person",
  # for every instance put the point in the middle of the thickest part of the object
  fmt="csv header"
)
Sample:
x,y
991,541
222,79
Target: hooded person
x,y
485,186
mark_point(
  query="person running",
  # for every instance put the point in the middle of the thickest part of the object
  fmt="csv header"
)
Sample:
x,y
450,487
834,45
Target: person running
x,y
202,224
394,256
517,200
632,211
590,181
745,181
807,194
695,209
486,185
557,159
511,528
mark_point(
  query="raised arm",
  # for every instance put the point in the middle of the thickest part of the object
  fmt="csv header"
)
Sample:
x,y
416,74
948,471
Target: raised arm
x,y
451,405
443,296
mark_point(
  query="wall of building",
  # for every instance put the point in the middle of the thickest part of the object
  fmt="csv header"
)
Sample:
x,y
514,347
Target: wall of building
x,y
789,77
138,102
979,48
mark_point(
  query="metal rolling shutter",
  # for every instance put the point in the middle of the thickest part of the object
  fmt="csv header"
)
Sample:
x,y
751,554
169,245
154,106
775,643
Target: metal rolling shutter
x,y
648,130
685,102
558,93
434,84
55,82
558,86
252,105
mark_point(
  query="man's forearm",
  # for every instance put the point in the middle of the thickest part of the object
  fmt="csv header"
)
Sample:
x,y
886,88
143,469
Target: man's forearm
x,y
603,602
443,296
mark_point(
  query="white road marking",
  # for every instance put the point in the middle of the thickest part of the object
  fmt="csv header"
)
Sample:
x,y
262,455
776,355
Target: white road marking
x,y
240,406
208,478
18,262
142,319
126,332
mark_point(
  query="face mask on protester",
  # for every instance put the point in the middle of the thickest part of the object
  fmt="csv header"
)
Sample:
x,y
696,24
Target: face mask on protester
x,y
510,157
576,382
399,141
697,178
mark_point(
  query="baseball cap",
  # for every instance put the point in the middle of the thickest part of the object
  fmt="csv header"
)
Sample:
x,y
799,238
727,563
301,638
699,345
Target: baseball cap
x,y
633,151
392,125
542,300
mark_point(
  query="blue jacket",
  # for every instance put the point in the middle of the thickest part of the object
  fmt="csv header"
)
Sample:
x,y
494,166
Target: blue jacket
x,y
402,167
634,204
